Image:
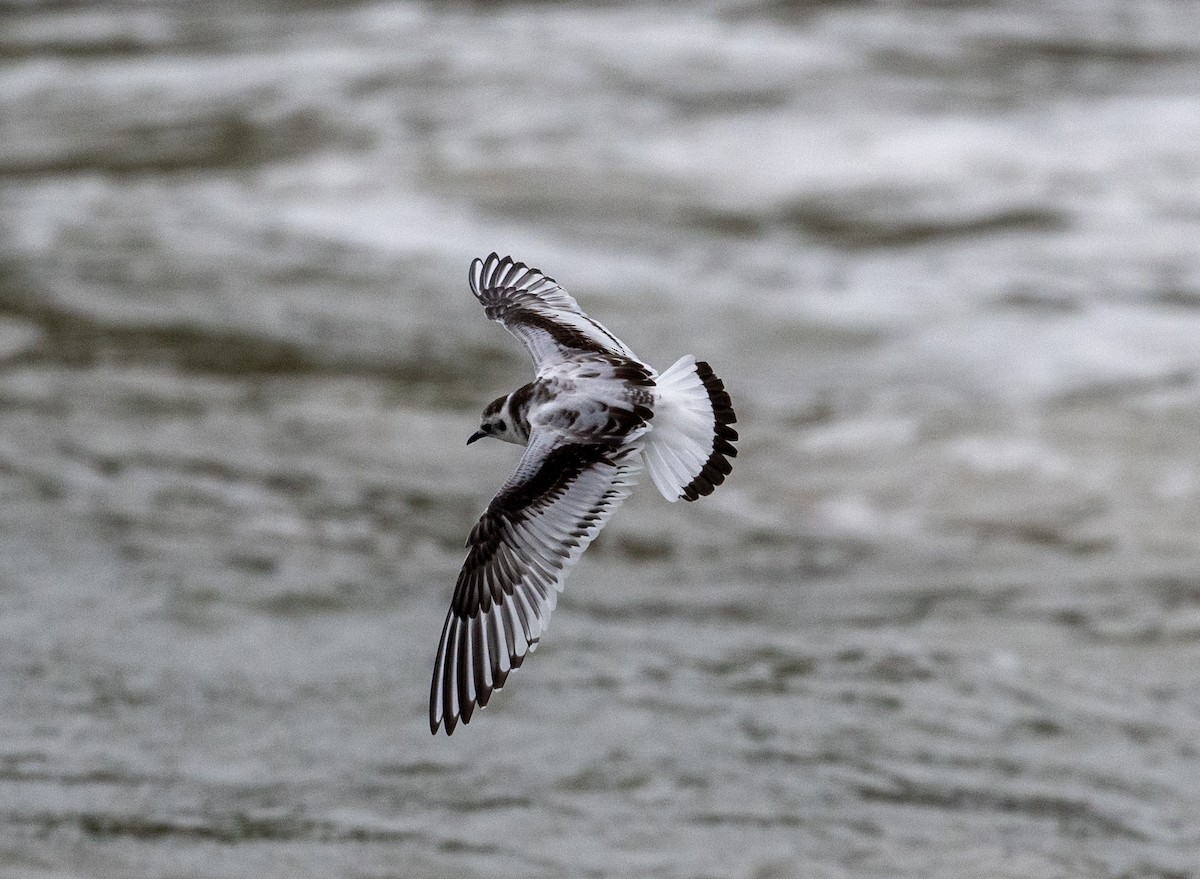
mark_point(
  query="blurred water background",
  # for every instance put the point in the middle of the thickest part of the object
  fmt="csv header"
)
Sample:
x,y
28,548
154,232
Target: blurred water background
x,y
943,620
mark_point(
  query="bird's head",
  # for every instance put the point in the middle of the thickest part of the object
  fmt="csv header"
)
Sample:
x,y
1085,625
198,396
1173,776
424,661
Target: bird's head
x,y
497,423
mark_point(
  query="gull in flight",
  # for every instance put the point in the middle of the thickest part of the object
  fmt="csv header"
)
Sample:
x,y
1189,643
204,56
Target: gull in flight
x,y
592,415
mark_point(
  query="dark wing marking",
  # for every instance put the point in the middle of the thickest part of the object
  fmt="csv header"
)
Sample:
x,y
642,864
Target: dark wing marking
x,y
520,552
540,313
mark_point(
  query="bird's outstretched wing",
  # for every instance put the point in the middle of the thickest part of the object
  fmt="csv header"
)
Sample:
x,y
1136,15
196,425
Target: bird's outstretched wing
x,y
540,313
520,552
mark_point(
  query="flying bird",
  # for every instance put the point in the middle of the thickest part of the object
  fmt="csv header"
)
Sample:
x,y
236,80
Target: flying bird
x,y
594,413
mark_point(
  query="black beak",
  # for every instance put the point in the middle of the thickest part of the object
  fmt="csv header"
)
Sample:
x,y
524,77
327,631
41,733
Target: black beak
x,y
479,434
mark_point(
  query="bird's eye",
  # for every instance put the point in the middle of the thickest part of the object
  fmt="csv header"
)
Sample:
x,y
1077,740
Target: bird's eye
x,y
500,424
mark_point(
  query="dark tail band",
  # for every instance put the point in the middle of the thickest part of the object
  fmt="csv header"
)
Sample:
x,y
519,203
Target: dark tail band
x,y
717,467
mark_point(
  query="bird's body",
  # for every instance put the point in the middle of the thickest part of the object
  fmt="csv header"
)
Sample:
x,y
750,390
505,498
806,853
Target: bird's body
x,y
591,416
594,400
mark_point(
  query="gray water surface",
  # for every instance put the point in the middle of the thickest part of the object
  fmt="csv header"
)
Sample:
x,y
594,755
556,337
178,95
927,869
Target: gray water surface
x,y
942,622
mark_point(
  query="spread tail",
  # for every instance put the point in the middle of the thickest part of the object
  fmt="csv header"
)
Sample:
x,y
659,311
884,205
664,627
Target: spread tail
x,y
688,450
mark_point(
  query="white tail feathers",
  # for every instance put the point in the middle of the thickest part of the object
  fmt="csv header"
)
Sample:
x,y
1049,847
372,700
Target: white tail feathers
x,y
690,439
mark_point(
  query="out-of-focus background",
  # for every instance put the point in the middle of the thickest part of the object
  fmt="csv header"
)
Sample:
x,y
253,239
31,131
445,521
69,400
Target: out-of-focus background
x,y
942,621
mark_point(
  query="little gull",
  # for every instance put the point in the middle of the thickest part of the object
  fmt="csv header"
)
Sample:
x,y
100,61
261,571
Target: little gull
x,y
594,412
